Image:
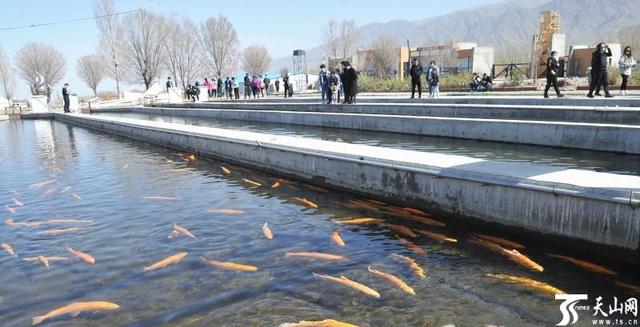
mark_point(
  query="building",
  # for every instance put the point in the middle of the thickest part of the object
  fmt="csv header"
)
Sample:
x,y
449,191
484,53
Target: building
x,y
455,57
579,60
546,41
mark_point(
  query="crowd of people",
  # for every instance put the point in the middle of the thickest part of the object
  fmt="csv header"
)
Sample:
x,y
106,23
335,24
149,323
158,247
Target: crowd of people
x,y
342,83
334,84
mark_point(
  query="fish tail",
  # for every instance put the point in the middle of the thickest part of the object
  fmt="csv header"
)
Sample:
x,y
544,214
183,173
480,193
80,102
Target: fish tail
x,y
320,276
203,259
37,320
371,269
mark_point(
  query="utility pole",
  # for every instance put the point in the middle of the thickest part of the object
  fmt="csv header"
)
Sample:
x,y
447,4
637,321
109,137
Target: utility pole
x,y
115,63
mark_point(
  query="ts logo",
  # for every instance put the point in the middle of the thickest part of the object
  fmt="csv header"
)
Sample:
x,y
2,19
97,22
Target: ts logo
x,y
567,308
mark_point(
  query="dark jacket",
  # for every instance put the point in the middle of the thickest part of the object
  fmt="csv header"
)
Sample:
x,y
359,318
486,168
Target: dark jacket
x,y
599,59
553,67
415,72
65,92
351,79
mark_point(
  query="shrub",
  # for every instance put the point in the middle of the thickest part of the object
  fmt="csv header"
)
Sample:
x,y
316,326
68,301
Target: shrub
x,y
455,80
614,75
372,84
516,79
634,79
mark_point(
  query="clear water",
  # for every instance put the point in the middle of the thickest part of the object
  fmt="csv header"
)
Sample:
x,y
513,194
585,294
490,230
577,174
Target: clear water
x,y
567,158
112,175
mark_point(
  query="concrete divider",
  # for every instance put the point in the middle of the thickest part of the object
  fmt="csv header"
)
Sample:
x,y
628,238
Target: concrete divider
x,y
580,114
589,136
474,99
596,208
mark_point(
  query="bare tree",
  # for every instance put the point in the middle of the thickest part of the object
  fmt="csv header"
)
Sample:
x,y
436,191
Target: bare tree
x,y
348,41
144,46
91,70
256,59
630,36
384,55
183,51
7,79
40,65
331,39
220,44
110,37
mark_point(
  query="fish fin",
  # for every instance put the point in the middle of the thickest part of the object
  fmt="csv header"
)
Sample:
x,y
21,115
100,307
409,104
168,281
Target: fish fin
x,y
37,320
74,313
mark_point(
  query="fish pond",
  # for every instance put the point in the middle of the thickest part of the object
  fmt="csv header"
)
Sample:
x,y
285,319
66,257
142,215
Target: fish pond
x,y
129,204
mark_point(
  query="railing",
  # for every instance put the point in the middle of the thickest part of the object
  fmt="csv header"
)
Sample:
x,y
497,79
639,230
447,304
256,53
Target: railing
x,y
507,70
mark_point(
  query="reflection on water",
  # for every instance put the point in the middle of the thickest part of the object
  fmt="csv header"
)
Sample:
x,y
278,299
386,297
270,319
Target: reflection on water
x,y
568,158
112,176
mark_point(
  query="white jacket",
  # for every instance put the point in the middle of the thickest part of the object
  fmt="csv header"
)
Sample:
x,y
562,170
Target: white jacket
x,y
626,64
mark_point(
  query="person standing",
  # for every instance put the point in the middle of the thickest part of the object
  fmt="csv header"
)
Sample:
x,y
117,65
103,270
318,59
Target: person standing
x,y
277,85
416,74
350,82
553,68
285,84
214,86
247,86
207,85
65,98
626,63
599,69
220,87
236,88
323,83
339,89
267,84
169,84
434,78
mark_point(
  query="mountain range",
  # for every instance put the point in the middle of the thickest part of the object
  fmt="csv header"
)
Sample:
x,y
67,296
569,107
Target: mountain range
x,y
508,26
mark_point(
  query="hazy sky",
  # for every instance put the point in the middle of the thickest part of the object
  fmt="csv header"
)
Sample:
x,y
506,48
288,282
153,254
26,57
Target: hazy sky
x,y
279,25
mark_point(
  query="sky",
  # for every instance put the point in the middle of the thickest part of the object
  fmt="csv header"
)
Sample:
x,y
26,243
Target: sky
x,y
281,26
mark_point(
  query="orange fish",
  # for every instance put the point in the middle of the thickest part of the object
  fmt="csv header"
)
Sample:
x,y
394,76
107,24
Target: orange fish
x,y
437,236
416,218
64,190
17,202
393,280
411,246
76,196
522,260
416,212
11,222
191,157
52,232
9,249
584,264
85,257
225,170
486,244
43,183
319,323
276,184
629,287
74,309
316,188
11,210
225,211
362,205
349,283
376,202
67,221
335,237
267,231
250,182
528,282
167,261
160,198
400,229
183,230
501,241
358,221
412,264
315,255
307,203
229,265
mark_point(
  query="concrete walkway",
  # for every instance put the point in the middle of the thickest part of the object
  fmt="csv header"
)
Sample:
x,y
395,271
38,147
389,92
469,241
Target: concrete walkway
x,y
598,208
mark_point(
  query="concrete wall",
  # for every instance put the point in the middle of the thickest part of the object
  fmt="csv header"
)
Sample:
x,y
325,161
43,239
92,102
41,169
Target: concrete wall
x,y
589,136
468,188
482,60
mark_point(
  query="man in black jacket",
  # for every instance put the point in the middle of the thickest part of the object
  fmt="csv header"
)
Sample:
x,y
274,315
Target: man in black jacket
x,y
65,97
349,82
416,72
599,74
552,74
